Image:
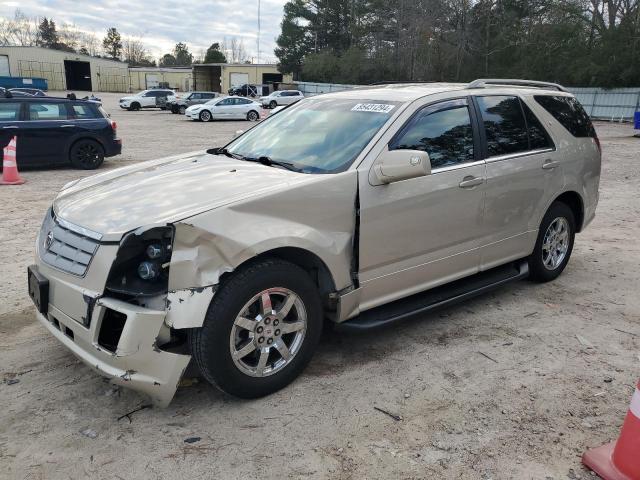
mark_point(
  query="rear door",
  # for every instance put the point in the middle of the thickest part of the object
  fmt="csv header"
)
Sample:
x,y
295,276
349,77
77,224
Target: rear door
x,y
522,176
46,132
10,126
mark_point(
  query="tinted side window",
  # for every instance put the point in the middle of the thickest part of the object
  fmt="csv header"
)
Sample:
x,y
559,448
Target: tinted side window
x,y
9,111
504,125
84,111
446,135
570,114
538,136
47,111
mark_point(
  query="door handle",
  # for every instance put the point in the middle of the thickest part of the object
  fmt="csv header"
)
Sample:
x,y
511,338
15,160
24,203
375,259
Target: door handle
x,y
470,182
550,164
10,126
67,126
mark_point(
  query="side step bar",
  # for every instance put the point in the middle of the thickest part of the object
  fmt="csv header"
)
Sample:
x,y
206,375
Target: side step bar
x,y
442,296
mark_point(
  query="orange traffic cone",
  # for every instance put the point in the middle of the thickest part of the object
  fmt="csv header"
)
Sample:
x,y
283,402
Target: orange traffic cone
x,y
10,175
620,460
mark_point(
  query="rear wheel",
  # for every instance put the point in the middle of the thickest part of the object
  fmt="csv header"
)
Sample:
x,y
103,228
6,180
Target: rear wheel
x,y
252,116
86,154
554,244
260,331
205,116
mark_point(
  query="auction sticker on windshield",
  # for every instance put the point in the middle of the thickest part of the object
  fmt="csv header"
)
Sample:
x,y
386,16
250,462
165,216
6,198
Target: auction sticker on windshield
x,y
373,107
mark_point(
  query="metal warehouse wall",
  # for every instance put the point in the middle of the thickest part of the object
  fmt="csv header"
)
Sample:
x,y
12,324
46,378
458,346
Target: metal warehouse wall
x,y
106,75
178,79
614,104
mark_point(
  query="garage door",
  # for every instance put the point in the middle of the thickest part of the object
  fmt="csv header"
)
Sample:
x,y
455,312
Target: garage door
x,y
152,80
237,79
4,66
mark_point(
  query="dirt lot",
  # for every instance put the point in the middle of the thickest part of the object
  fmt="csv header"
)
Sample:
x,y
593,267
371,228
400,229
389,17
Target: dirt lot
x,y
516,384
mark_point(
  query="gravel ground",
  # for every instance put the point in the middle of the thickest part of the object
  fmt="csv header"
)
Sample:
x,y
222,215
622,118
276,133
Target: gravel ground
x,y
515,384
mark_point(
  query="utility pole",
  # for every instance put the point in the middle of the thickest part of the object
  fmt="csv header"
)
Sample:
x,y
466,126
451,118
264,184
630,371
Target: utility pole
x,y
258,61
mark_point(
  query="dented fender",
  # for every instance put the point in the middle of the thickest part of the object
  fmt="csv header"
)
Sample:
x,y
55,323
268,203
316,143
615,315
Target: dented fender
x,y
316,216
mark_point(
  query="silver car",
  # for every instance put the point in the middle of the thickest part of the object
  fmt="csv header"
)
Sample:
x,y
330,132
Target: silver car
x,y
227,108
179,104
362,207
281,97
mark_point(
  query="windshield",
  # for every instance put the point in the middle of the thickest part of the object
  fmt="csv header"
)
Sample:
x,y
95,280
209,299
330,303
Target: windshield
x,y
320,135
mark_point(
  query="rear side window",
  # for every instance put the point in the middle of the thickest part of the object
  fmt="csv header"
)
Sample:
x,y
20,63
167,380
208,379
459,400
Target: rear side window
x,y
504,125
9,111
444,132
569,113
47,111
538,136
84,111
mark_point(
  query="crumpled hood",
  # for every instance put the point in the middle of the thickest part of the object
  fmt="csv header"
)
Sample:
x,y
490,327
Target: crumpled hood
x,y
166,190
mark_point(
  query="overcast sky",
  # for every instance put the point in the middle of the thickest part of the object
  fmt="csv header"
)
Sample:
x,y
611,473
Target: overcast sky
x,y
163,23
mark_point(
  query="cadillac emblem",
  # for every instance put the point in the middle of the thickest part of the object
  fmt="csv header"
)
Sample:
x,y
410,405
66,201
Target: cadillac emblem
x,y
49,240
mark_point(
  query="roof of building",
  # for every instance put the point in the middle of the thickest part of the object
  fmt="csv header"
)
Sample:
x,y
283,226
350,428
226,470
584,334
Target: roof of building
x,y
65,53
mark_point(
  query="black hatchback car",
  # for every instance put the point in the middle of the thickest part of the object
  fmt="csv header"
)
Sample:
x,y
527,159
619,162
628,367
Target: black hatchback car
x,y
54,131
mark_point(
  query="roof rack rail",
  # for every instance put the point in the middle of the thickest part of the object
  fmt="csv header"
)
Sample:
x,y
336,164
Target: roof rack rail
x,y
485,82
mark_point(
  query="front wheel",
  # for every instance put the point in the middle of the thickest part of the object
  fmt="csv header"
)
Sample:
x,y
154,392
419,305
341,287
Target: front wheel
x,y
86,154
554,244
273,104
260,331
205,116
182,110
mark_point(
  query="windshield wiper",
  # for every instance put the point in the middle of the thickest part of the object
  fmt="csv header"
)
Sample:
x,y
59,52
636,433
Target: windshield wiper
x,y
224,151
264,160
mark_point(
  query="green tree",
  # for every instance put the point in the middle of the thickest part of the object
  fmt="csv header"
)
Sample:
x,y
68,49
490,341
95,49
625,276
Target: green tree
x,y
214,54
167,60
182,55
112,43
47,34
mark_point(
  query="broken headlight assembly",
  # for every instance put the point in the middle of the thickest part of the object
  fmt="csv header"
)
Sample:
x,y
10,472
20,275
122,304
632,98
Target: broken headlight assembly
x,y
141,268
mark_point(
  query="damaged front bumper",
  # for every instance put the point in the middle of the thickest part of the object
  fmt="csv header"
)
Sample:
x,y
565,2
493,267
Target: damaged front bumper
x,y
119,342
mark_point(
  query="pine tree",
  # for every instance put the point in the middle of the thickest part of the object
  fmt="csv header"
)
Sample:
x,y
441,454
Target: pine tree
x,y
112,44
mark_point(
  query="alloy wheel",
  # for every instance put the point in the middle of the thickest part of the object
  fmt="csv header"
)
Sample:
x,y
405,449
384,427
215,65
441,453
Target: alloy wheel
x,y
87,155
268,332
555,243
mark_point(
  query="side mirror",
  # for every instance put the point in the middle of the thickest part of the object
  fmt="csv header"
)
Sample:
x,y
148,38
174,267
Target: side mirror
x,y
396,165
238,133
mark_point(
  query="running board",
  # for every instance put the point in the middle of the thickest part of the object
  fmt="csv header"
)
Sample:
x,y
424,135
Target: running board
x,y
441,296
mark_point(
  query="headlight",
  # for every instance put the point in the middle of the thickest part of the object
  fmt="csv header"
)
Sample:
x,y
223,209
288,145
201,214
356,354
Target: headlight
x,y
141,267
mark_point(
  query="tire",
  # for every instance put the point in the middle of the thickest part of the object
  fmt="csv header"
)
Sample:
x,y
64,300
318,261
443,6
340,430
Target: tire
x,y
135,106
86,154
205,116
174,109
182,110
558,230
211,345
273,104
253,116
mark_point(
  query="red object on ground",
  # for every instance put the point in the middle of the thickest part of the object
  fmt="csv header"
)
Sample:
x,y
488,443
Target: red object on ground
x,y
10,175
620,460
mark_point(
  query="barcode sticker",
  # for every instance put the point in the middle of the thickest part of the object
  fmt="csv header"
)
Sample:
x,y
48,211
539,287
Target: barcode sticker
x,y
373,107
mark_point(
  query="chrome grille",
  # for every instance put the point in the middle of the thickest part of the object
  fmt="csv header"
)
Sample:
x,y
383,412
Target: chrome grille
x,y
65,248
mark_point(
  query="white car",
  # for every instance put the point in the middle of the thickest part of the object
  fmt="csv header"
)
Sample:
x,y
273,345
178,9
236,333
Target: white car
x,y
281,97
146,99
232,108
